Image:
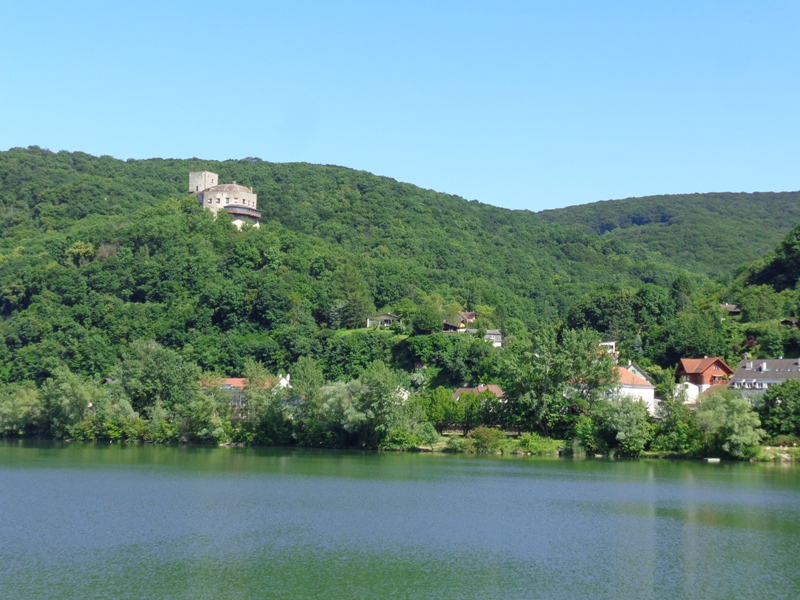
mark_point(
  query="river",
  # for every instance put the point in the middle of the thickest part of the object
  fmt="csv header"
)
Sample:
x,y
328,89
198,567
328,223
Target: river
x,y
143,521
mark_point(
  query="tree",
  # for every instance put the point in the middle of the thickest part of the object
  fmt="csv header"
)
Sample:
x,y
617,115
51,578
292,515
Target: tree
x,y
728,424
550,381
676,430
79,253
351,297
779,409
20,409
625,424
440,408
150,374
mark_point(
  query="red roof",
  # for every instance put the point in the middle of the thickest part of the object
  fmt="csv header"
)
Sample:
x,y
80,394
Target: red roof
x,y
628,378
240,382
237,382
701,365
495,389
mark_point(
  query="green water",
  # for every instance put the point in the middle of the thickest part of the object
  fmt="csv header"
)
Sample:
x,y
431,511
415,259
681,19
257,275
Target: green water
x,y
110,521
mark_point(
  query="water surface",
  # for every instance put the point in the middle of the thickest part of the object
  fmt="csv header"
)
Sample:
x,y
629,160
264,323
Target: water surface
x,y
142,521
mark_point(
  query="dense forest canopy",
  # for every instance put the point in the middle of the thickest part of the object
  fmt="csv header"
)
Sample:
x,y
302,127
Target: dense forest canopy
x,y
714,234
106,264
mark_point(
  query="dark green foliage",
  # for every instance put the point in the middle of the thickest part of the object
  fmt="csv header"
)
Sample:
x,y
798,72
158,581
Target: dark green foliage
x,y
781,268
676,430
706,233
728,424
779,409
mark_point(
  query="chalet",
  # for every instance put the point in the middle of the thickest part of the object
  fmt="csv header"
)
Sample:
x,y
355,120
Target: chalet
x,y
382,320
754,377
494,389
636,387
696,375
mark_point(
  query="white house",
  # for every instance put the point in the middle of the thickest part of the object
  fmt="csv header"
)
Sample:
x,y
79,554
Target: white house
x,y
636,387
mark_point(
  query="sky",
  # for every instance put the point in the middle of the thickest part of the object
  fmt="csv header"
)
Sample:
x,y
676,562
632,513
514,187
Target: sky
x,y
526,105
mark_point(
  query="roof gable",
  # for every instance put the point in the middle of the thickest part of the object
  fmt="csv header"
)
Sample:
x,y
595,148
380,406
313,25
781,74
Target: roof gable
x,y
625,377
701,365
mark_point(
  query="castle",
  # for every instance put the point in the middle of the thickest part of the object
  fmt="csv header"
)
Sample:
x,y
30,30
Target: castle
x,y
237,200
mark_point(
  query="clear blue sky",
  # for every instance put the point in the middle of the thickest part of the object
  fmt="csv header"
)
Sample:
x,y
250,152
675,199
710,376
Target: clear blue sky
x,y
519,104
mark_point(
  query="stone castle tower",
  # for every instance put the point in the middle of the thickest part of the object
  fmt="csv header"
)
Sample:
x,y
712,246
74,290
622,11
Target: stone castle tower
x,y
237,200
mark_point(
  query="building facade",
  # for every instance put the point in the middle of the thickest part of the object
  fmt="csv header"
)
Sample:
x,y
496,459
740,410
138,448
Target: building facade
x,y
753,377
240,202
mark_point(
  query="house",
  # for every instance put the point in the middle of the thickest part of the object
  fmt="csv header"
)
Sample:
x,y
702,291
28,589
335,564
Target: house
x,y
382,320
791,322
235,387
459,322
731,309
636,387
639,371
753,377
494,389
696,375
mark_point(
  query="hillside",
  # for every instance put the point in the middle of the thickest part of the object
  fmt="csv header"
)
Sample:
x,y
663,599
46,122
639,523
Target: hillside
x,y
397,233
98,253
713,234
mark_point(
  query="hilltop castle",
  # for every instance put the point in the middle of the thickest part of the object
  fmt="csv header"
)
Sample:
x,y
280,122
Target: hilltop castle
x,y
237,200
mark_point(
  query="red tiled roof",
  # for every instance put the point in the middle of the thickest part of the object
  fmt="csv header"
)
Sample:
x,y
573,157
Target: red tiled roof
x,y
240,382
236,382
700,365
628,378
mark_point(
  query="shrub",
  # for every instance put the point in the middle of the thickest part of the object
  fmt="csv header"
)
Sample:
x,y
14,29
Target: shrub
x,y
538,445
785,440
487,439
459,444
399,438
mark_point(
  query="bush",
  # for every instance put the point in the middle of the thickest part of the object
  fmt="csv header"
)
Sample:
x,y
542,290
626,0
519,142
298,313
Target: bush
x,y
785,440
538,445
459,444
399,438
487,439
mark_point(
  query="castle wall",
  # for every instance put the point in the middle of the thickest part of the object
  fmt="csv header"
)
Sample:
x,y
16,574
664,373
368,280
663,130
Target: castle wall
x,y
202,180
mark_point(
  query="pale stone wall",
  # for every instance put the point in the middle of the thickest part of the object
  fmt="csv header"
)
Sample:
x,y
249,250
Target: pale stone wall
x,y
202,180
218,197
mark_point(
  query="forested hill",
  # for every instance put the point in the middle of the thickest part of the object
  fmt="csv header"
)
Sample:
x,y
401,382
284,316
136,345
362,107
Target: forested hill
x,y
708,233
97,253
399,236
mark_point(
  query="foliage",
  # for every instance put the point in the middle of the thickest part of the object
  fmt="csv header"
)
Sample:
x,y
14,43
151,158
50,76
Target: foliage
x,y
623,424
676,430
537,445
728,424
779,409
486,439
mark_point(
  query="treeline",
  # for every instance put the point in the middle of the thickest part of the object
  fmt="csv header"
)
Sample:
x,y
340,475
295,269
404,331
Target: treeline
x,y
558,387
100,258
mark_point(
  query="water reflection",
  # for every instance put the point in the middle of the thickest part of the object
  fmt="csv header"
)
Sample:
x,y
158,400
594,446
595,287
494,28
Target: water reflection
x,y
131,521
